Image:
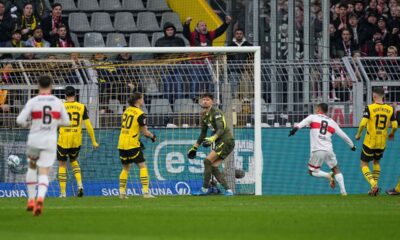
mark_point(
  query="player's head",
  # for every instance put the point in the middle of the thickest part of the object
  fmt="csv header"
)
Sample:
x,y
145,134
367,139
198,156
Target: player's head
x,y
136,99
207,100
322,108
378,93
45,82
70,91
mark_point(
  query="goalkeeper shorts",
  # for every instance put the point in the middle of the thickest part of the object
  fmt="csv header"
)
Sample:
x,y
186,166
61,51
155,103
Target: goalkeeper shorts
x,y
224,148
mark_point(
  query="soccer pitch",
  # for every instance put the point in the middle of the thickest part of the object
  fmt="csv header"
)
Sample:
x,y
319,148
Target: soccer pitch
x,y
211,217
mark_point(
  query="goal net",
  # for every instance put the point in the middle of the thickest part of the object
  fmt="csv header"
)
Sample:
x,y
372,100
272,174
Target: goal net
x,y
172,80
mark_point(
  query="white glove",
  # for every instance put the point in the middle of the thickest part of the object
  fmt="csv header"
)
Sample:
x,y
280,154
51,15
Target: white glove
x,y
13,9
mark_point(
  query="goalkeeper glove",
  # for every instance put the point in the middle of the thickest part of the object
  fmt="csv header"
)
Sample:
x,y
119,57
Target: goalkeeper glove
x,y
192,152
353,148
208,141
293,131
154,138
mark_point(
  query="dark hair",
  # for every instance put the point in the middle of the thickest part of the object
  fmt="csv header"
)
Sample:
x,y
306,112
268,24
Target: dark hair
x,y
208,95
45,81
379,91
134,98
28,3
70,91
239,29
56,5
61,26
343,5
323,107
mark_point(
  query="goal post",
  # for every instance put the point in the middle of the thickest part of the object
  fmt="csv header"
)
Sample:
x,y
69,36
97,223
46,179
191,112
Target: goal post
x,y
172,108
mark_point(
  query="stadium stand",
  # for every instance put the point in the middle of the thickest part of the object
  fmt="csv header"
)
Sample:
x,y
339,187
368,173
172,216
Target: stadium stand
x,y
124,22
93,39
101,22
116,40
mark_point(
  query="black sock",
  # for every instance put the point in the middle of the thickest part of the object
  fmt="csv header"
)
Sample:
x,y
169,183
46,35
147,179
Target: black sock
x,y
207,173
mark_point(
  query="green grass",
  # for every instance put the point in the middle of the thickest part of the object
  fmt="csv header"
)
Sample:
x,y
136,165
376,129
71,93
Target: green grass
x,y
241,217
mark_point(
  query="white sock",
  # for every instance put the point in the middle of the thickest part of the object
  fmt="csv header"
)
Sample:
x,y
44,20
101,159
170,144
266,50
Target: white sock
x,y
339,178
31,182
321,174
43,185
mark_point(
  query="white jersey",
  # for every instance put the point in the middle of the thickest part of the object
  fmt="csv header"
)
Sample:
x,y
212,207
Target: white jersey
x,y
322,128
47,112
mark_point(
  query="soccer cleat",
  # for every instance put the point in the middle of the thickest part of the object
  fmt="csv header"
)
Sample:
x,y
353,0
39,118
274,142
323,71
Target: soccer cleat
x,y
123,196
38,209
30,205
374,191
344,194
392,192
229,192
80,192
148,195
63,195
332,183
202,192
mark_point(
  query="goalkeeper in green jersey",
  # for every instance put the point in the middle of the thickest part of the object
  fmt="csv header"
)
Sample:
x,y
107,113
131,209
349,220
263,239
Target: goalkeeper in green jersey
x,y
222,143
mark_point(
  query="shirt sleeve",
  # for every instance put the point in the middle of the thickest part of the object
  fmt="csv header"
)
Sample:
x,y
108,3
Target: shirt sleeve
x,y
142,120
24,115
366,113
393,117
343,136
85,113
305,122
64,116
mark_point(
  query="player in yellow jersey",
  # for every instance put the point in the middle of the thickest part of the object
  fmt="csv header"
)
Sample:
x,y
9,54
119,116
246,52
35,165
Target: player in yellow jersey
x,y
130,149
376,119
70,141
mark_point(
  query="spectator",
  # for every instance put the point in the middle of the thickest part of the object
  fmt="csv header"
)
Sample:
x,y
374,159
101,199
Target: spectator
x,y
340,23
201,36
41,7
37,40
346,46
369,26
6,25
386,34
62,39
51,24
16,39
359,9
238,41
369,47
382,75
355,30
27,22
172,80
373,7
124,57
379,49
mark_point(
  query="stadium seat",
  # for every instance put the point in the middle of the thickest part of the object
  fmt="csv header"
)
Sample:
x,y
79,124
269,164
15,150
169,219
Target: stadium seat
x,y
116,40
147,22
155,37
157,6
187,43
93,39
110,5
101,22
124,22
133,5
172,18
75,40
151,88
88,5
67,5
139,40
184,105
160,106
78,22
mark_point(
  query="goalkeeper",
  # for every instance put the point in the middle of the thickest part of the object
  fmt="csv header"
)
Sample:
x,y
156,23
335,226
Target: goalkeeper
x,y
222,143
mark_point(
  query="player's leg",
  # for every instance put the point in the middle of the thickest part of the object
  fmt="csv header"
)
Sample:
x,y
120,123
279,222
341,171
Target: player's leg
x,y
73,156
144,179
32,177
394,191
126,161
339,179
62,170
222,150
314,165
376,167
207,174
367,155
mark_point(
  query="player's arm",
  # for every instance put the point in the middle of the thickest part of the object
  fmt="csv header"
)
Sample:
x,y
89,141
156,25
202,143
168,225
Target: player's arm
x,y
394,123
219,130
143,128
345,138
89,128
24,115
65,121
304,123
363,123
193,150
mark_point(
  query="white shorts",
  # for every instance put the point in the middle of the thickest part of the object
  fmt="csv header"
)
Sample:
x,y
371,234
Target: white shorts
x,y
319,157
45,157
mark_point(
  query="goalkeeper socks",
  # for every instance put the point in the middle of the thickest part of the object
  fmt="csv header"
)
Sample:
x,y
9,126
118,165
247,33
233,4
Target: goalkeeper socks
x,y
321,174
368,176
62,178
220,177
77,172
123,178
207,173
340,180
31,182
376,172
144,179
43,185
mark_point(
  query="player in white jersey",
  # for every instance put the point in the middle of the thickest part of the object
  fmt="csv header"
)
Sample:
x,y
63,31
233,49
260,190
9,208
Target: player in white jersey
x,y
322,128
45,112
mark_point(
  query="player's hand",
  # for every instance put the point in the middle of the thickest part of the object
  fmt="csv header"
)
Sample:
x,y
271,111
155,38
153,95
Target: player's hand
x,y
192,152
95,145
188,20
293,131
391,136
208,141
357,137
228,19
154,138
353,148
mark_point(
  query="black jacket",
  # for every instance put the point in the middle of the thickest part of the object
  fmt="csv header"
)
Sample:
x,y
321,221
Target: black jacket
x,y
6,27
239,56
47,26
170,41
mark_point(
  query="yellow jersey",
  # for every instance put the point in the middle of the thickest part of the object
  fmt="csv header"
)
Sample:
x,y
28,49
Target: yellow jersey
x,y
378,118
132,119
71,137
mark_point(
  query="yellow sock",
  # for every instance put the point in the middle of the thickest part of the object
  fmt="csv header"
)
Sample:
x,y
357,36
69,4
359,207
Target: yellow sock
x,y
397,188
376,172
368,176
144,179
77,172
123,178
62,178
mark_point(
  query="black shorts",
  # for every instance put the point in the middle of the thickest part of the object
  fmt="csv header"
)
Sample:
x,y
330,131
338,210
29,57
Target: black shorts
x,y
368,154
224,148
64,153
134,155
